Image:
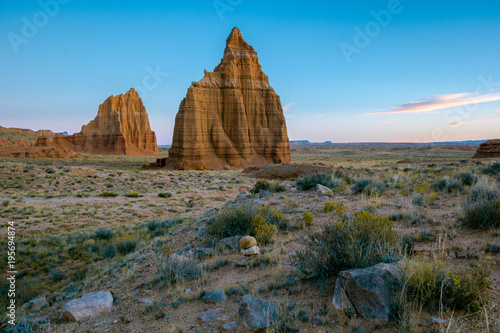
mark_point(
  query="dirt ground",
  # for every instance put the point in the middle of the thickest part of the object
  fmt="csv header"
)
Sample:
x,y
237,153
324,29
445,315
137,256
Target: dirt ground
x,y
57,206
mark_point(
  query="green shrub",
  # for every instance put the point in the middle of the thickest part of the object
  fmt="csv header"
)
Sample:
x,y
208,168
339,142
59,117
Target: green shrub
x,y
431,286
449,185
176,269
5,202
108,194
57,276
310,182
103,233
264,233
493,169
482,192
237,220
165,195
467,178
482,214
232,220
109,251
308,219
286,321
369,187
133,195
264,185
126,246
358,242
261,185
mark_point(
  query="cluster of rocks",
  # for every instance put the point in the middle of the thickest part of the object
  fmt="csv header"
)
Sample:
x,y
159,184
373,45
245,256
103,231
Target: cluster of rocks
x,y
253,313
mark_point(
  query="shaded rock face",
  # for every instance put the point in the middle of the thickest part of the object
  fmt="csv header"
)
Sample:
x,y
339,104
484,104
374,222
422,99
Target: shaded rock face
x,y
369,292
121,127
256,314
37,152
488,149
232,117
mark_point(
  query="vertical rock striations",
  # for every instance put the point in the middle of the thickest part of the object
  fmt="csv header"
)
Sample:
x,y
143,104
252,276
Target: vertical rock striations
x,y
232,117
121,127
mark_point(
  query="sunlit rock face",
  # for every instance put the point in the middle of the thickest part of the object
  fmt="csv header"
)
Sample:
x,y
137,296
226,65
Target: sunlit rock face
x,y
121,127
232,117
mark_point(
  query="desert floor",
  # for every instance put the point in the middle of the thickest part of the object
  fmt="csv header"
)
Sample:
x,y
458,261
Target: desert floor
x,y
58,207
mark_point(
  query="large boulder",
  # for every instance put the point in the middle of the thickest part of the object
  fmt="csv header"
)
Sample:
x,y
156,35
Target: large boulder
x,y
232,117
371,292
256,314
89,305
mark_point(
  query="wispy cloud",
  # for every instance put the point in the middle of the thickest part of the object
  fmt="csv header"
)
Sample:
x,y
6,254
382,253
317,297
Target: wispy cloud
x,y
389,122
318,116
457,124
439,102
287,107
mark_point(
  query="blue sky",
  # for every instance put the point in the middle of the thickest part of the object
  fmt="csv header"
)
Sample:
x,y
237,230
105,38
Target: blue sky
x,y
346,71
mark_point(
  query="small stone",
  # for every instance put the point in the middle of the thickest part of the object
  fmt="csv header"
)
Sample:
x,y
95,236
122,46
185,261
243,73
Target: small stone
x,y
242,262
254,250
71,295
231,327
212,315
145,301
322,190
34,305
188,291
436,321
217,296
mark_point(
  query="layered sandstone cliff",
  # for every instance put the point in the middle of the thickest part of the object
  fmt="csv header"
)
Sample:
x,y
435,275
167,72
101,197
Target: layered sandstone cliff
x,y
232,117
121,127
488,149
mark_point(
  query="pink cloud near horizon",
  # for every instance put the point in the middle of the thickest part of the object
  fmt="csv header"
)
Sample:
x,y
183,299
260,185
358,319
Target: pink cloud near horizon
x,y
439,102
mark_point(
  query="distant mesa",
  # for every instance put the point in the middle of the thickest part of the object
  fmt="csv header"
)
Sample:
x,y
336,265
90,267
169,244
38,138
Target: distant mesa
x,y
121,127
232,117
20,137
488,149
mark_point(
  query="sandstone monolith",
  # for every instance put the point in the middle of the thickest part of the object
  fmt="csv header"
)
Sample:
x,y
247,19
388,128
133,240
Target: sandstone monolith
x,y
232,117
121,127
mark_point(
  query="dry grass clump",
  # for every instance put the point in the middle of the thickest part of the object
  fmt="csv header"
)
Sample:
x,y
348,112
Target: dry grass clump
x,y
357,242
482,207
431,286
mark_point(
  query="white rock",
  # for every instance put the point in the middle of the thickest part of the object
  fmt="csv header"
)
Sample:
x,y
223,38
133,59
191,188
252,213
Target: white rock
x,y
254,250
89,305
